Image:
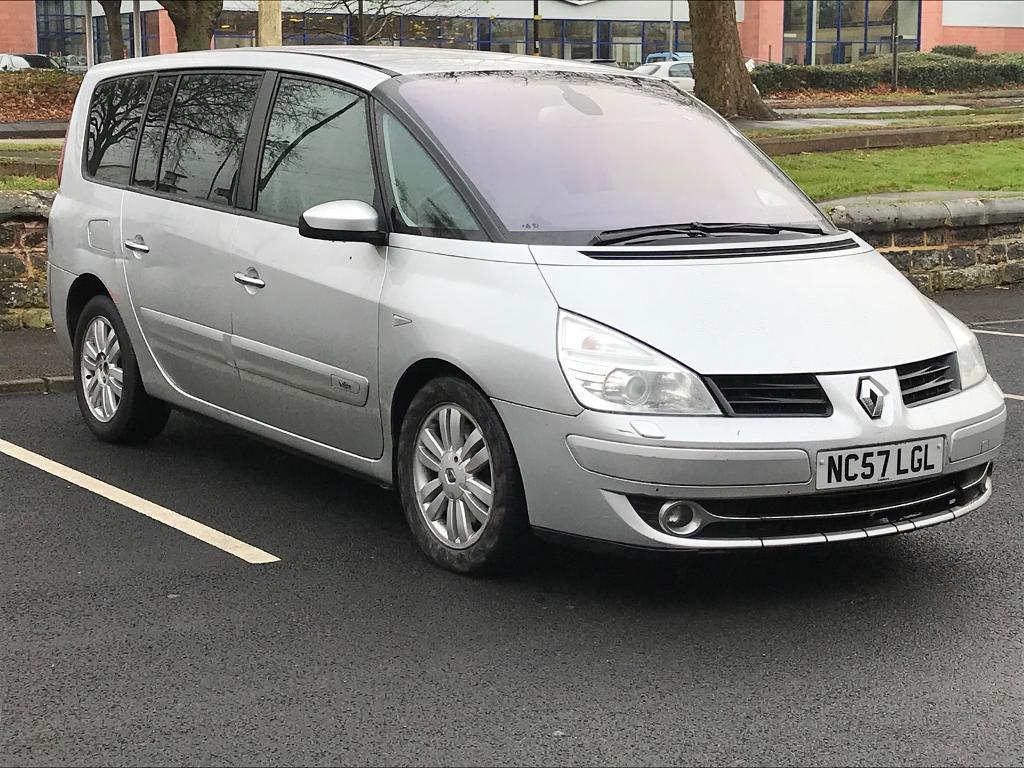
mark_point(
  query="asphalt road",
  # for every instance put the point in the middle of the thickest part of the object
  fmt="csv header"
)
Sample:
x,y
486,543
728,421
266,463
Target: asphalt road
x,y
123,641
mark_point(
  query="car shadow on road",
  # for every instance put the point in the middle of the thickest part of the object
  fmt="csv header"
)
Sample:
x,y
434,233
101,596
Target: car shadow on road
x,y
363,520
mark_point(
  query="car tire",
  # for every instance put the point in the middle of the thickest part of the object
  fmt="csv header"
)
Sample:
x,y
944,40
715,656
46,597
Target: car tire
x,y
115,411
460,485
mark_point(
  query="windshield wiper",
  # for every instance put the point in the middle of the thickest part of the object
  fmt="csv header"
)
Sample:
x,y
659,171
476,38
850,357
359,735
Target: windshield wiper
x,y
696,229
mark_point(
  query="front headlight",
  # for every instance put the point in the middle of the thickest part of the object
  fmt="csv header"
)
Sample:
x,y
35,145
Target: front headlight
x,y
608,371
969,358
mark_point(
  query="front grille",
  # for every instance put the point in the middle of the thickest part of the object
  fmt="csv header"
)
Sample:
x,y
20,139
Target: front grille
x,y
928,380
770,395
828,512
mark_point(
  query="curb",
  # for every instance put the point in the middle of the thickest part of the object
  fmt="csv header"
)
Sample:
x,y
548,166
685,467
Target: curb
x,y
889,138
44,385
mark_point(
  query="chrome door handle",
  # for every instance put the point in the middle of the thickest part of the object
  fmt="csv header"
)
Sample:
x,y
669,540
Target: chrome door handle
x,y
136,245
248,280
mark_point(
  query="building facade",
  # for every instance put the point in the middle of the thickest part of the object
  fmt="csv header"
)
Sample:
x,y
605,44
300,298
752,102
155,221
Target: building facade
x,y
787,31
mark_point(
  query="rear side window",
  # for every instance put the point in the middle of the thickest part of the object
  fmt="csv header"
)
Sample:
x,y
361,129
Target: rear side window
x,y
424,198
147,165
680,70
113,125
317,150
205,134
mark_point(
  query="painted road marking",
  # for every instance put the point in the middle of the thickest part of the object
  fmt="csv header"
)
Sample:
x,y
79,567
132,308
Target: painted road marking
x,y
143,506
999,322
1013,397
996,333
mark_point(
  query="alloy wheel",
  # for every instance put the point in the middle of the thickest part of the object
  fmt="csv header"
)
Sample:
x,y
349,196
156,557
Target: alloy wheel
x,y
102,375
453,476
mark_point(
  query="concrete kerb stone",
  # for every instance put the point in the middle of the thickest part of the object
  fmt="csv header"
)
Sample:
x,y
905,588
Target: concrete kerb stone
x,y
22,205
43,385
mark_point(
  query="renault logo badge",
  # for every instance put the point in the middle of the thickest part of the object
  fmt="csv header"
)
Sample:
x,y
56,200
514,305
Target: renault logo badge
x,y
871,396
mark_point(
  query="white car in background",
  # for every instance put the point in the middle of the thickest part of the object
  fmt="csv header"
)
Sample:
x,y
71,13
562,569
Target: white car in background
x,y
679,73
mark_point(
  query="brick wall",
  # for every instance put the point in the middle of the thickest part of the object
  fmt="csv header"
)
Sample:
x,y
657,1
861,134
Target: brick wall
x,y
942,245
18,27
938,245
23,300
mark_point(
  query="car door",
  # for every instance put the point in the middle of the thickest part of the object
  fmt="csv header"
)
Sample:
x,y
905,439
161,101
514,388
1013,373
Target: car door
x,y
304,311
682,75
177,223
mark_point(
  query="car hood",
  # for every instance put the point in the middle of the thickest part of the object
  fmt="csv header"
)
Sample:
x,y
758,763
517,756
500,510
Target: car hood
x,y
819,314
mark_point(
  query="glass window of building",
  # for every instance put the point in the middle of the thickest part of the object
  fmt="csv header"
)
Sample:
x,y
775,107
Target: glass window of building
x,y
655,37
508,35
317,150
235,29
627,43
580,40
844,31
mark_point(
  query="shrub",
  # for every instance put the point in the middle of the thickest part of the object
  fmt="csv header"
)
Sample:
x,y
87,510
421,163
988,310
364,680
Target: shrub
x,y
917,70
960,51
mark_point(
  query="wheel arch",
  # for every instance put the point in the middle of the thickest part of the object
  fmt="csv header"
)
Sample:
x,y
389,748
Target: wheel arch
x,y
411,381
83,289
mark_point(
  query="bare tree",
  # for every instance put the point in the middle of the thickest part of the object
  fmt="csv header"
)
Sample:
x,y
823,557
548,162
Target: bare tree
x,y
721,78
194,21
374,20
112,12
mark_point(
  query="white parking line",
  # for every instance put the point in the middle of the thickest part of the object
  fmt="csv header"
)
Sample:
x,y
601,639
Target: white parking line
x,y
998,333
135,503
1013,397
999,322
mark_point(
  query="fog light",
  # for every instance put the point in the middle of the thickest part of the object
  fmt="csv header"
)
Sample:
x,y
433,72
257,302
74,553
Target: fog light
x,y
679,518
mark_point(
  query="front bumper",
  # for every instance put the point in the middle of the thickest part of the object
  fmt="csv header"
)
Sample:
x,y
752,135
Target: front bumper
x,y
751,480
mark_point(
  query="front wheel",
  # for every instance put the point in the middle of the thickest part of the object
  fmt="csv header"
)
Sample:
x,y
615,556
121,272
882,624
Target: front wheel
x,y
459,480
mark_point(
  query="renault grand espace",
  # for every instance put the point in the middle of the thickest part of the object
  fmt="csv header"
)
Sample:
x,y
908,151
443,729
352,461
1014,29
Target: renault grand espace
x,y
534,296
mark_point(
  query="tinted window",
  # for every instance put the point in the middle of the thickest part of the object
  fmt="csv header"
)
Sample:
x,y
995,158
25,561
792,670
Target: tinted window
x,y
113,125
680,70
424,198
205,134
146,166
557,155
317,150
36,61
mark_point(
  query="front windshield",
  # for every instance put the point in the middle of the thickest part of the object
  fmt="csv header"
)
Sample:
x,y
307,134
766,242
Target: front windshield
x,y
562,156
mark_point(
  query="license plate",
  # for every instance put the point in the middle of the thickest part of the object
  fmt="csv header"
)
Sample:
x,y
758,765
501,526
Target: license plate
x,y
880,463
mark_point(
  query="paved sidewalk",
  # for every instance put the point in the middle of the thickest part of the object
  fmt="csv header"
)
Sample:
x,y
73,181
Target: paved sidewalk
x,y
34,129
31,353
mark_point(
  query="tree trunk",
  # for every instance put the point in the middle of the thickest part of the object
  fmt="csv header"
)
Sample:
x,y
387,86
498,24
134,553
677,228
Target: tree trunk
x,y
721,78
194,21
112,11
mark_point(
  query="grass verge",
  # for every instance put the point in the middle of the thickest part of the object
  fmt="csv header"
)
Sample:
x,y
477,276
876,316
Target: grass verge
x,y
25,183
18,146
997,165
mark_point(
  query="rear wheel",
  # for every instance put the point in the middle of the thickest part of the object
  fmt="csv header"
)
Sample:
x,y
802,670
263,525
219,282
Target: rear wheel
x,y
459,480
107,382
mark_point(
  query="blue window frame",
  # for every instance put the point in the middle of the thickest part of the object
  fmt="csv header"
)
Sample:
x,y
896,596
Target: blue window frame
x,y
842,31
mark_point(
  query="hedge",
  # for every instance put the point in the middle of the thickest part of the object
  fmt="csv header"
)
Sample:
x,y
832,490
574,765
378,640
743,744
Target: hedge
x,y
961,51
917,70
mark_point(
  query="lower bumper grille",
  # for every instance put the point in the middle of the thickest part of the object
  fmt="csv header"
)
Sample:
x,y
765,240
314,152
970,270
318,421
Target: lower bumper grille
x,y
827,513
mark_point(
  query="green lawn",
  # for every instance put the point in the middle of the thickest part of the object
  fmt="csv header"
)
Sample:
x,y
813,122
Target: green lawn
x,y
12,183
997,165
24,146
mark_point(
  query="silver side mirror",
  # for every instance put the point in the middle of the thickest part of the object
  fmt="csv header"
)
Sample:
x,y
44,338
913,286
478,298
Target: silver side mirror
x,y
345,220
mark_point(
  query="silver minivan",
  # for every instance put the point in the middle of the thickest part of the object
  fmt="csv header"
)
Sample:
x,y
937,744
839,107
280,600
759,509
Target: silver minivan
x,y
535,296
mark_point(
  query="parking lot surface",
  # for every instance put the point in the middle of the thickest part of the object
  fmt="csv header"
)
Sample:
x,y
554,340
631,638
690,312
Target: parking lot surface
x,y
124,640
